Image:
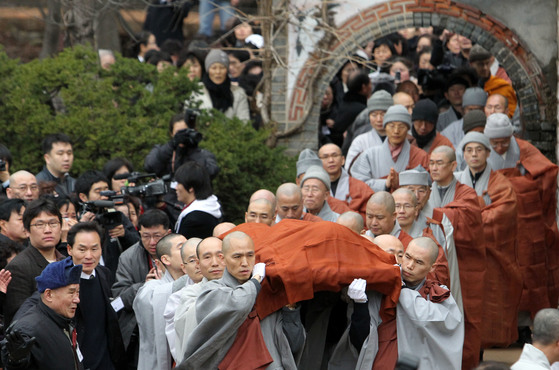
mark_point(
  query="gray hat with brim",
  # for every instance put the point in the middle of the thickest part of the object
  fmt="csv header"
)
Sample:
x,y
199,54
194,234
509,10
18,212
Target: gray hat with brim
x,y
415,176
475,137
307,158
498,126
216,56
381,100
319,173
474,96
397,113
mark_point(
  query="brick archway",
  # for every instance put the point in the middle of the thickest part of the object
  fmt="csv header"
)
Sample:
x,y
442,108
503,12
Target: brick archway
x,y
534,94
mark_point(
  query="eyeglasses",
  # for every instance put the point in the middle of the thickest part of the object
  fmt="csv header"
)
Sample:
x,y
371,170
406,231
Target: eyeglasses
x,y
30,187
405,206
326,156
149,237
311,189
41,225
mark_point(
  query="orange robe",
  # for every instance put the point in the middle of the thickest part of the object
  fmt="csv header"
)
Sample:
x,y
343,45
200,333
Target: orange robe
x,y
338,206
306,257
440,271
310,217
503,278
496,85
465,215
538,252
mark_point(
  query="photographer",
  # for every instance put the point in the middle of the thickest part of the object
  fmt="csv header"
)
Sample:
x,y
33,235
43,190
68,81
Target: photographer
x,y
5,164
183,147
119,231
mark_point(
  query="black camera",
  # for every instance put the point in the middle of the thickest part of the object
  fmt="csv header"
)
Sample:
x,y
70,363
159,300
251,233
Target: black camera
x,y
150,189
188,137
2,165
191,117
105,213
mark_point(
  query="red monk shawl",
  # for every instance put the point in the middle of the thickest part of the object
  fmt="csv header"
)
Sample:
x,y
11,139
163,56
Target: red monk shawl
x,y
503,278
360,194
306,257
465,215
538,253
440,271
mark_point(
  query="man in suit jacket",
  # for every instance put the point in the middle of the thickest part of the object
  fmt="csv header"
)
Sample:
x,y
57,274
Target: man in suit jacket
x,y
98,332
43,221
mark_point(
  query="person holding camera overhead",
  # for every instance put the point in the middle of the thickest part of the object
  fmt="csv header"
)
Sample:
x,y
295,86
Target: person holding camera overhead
x,y
183,147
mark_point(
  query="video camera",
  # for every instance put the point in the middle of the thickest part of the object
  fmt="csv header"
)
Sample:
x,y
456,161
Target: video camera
x,y
149,189
104,210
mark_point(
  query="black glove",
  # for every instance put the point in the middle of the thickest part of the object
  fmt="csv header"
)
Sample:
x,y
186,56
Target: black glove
x,y
18,344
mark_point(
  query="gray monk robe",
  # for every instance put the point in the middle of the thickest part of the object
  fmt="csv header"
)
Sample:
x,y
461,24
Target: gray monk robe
x,y
430,326
373,165
222,307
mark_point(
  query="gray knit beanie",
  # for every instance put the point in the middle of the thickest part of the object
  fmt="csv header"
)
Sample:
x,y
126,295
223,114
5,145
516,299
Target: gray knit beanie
x,y
307,158
474,96
472,119
381,100
319,173
216,56
475,137
397,113
498,126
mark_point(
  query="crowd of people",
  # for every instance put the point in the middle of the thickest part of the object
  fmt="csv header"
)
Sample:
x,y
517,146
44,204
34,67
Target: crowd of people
x,y
421,232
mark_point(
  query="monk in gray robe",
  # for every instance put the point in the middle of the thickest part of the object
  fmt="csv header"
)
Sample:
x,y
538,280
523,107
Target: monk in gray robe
x,y
149,305
210,260
228,331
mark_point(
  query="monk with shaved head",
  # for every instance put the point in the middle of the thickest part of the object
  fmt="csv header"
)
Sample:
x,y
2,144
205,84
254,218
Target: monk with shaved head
x,y
390,244
381,217
290,204
225,304
261,211
352,220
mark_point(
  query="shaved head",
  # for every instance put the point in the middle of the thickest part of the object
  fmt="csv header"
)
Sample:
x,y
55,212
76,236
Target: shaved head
x,y
190,264
428,245
289,201
231,238
390,244
448,152
222,228
263,194
407,192
383,198
189,246
351,220
288,189
261,211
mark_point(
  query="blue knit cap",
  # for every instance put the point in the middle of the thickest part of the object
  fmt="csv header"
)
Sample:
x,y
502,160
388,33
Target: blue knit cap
x,y
59,274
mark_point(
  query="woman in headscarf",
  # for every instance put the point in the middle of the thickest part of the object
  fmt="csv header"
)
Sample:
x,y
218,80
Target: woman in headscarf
x,y
218,93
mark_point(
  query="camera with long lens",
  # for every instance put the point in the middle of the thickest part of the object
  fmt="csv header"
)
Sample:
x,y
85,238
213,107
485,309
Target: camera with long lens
x,y
149,189
104,210
2,165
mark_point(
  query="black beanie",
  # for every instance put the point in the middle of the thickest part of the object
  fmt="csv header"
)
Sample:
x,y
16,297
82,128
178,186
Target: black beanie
x,y
426,110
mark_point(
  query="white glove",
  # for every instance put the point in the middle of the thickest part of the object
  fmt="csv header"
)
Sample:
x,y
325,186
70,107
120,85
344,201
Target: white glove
x,y
356,291
259,269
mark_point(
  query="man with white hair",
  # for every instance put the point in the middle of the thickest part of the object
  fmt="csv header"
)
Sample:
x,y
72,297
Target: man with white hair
x,y
544,349
498,212
534,180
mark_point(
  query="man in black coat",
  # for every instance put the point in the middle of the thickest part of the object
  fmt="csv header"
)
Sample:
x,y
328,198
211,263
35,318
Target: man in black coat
x,y
99,335
45,336
359,88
